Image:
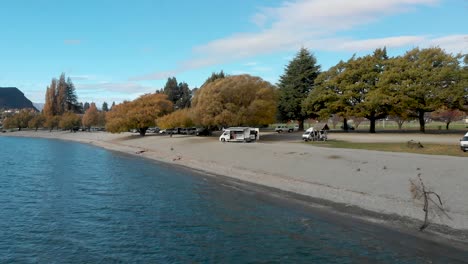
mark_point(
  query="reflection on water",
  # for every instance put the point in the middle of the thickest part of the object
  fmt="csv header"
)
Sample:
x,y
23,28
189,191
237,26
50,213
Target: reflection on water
x,y
67,202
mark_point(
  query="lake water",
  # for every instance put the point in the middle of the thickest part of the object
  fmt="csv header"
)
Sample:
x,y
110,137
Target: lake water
x,y
64,202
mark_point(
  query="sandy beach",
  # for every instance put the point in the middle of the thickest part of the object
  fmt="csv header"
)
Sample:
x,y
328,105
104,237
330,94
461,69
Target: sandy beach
x,y
377,182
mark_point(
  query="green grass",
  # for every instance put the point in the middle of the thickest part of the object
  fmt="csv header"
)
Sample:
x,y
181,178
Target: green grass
x,y
391,125
431,149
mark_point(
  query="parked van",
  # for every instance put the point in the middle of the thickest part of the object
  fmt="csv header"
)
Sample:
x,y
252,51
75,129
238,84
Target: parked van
x,y
464,143
312,134
240,134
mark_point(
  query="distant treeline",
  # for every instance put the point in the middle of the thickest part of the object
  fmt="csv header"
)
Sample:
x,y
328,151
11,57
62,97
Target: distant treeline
x,y
370,87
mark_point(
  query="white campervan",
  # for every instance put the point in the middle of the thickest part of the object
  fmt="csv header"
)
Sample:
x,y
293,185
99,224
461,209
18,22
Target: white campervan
x,y
240,134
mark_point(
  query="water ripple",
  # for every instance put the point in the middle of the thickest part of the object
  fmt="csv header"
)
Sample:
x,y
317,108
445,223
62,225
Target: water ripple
x,y
64,202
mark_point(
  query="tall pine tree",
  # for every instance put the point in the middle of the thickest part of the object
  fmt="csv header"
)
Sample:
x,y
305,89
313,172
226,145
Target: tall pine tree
x,y
105,107
295,85
71,100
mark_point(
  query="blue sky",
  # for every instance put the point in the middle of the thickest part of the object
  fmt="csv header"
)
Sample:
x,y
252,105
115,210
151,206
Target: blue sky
x,y
117,50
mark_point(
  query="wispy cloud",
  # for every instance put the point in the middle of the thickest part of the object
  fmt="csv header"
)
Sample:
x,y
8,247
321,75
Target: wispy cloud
x,y
124,87
72,41
317,24
82,77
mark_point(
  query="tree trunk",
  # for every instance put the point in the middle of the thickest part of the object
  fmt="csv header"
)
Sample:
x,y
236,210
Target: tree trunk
x,y
345,124
372,123
400,124
372,126
142,131
301,124
447,125
422,122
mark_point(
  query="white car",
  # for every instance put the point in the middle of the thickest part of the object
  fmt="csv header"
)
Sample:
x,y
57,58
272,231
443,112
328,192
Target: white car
x,y
280,129
464,143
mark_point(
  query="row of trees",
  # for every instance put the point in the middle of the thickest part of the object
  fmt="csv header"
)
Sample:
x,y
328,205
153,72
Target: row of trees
x,y
27,118
369,87
221,101
374,87
61,97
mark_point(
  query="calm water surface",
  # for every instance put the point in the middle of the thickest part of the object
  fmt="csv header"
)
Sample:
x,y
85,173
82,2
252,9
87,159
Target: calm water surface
x,y
64,202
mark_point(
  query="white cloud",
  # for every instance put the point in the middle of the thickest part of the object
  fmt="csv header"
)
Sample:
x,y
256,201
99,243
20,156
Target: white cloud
x,y
125,87
82,77
316,24
453,43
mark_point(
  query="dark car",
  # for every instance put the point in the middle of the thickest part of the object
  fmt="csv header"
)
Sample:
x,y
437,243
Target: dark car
x,y
202,131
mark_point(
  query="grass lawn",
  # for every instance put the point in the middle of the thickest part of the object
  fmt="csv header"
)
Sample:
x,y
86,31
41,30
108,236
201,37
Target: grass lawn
x,y
432,149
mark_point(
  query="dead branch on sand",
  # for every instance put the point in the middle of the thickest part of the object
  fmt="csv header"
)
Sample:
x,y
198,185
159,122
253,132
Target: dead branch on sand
x,y
419,192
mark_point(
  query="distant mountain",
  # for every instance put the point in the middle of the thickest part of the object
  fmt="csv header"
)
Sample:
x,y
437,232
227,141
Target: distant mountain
x,y
39,106
13,98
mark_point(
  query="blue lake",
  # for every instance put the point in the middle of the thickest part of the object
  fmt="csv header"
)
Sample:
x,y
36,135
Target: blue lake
x,y
63,202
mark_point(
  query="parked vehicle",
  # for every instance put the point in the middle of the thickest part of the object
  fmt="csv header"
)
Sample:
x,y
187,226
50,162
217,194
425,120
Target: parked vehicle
x,y
312,134
153,130
202,131
281,129
464,143
350,127
240,134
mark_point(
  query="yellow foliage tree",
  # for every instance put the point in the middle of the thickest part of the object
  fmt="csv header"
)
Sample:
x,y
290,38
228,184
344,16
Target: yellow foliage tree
x,y
70,121
179,118
19,120
37,121
90,117
235,100
52,122
139,114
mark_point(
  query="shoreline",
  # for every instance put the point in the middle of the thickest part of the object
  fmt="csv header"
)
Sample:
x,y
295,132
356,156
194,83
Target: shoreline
x,y
396,214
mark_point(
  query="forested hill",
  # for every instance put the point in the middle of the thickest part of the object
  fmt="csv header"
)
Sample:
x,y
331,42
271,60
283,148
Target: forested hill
x,y
13,98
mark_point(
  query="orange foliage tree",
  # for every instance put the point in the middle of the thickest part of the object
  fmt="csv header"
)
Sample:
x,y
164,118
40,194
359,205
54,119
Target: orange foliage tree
x,y
139,114
179,118
90,117
235,100
70,121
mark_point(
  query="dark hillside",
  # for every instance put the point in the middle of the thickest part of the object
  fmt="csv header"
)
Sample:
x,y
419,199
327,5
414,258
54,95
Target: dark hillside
x,y
13,98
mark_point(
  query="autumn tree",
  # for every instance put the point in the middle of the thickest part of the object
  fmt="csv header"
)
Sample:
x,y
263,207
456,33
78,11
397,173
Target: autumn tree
x,y
295,85
19,120
61,97
69,121
90,117
139,114
178,118
37,121
101,119
235,100
52,122
50,100
447,116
